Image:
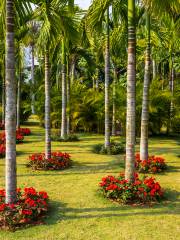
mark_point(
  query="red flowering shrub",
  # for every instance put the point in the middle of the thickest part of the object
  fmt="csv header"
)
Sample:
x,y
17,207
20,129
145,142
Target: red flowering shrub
x,y
24,131
19,137
141,191
57,161
2,150
30,207
2,126
153,164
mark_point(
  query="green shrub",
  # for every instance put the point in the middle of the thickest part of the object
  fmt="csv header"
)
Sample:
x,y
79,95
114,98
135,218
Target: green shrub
x,y
114,149
69,138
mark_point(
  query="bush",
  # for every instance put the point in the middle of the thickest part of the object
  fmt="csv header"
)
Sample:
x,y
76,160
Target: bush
x,y
141,191
58,161
29,208
69,138
19,138
24,131
115,148
2,150
154,164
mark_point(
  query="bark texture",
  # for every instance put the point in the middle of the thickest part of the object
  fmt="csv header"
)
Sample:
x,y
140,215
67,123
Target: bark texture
x,y
131,95
145,101
47,108
107,71
114,104
32,79
19,99
10,118
64,95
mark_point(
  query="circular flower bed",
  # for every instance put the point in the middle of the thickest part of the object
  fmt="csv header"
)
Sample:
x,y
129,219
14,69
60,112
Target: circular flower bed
x,y
29,208
2,150
58,161
153,164
141,191
19,137
24,131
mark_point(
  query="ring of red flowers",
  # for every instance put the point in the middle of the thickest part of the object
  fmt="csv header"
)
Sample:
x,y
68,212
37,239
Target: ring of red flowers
x,y
30,207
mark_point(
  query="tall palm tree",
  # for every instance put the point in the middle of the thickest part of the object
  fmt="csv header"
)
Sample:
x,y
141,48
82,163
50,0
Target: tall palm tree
x,y
131,94
10,118
107,74
64,93
145,102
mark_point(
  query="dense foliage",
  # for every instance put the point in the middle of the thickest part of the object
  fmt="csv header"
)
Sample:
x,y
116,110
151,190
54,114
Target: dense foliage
x,y
114,149
30,208
58,161
143,190
154,164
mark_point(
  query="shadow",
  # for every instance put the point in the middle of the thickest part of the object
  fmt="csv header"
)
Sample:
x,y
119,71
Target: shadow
x,y
59,211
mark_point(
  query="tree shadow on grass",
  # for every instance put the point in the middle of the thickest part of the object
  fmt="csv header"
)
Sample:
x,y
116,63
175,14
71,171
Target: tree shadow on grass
x,y
60,211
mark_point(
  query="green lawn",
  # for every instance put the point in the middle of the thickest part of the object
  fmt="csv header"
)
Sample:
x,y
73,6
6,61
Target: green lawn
x,y
79,212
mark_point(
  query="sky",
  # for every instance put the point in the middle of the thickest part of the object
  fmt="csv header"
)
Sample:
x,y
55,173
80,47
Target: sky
x,y
84,4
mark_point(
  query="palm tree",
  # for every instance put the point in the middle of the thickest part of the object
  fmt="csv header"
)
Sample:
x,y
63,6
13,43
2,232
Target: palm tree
x,y
64,93
10,118
131,96
145,102
107,74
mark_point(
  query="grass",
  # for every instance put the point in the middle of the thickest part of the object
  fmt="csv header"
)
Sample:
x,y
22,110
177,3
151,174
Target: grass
x,y
78,211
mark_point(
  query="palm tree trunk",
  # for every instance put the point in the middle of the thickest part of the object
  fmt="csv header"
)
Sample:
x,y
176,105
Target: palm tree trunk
x,y
172,90
10,118
68,98
64,94
32,79
97,79
3,93
131,94
145,102
19,99
114,104
154,69
73,70
107,72
47,108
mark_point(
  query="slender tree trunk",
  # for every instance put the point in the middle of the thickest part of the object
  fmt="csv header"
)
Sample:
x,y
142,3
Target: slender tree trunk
x,y
97,79
68,98
73,70
10,118
3,94
47,108
32,80
145,102
107,72
172,90
131,94
64,94
19,99
154,69
114,104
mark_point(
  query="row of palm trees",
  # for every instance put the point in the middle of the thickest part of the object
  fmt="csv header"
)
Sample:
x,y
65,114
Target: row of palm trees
x,y
58,21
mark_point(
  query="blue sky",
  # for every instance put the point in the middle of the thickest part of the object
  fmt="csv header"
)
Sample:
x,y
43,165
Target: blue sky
x,y
84,4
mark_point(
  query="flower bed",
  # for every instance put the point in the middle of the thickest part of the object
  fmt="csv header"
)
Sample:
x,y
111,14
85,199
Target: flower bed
x,y
19,138
2,150
29,208
141,191
153,164
58,161
24,131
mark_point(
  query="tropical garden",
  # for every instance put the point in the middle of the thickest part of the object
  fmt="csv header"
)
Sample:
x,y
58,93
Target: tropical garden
x,y
90,119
